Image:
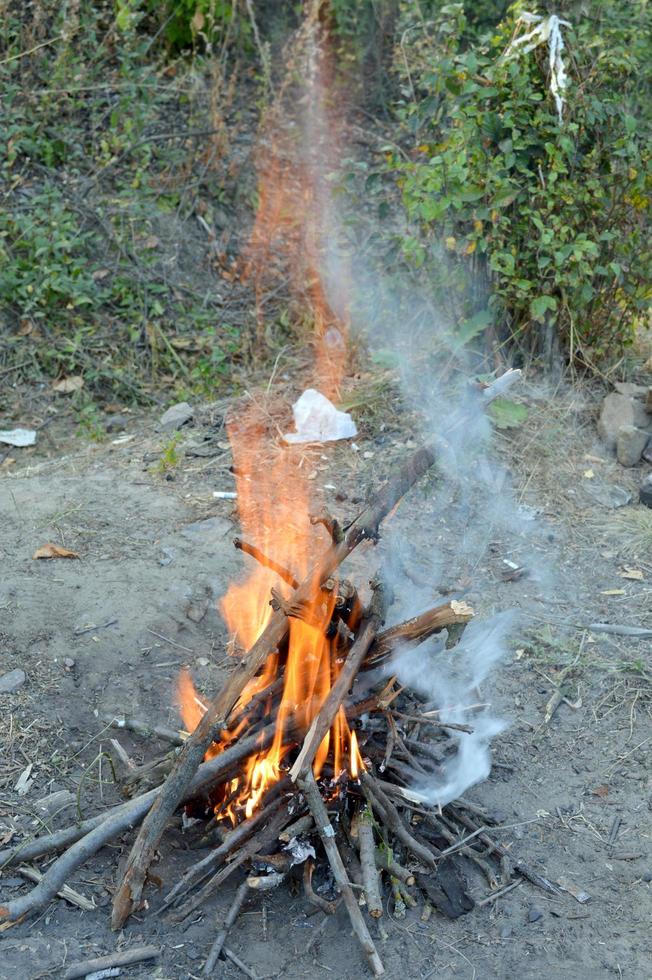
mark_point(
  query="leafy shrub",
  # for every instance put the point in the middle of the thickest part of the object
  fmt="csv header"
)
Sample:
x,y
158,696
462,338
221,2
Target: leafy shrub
x,y
43,257
553,218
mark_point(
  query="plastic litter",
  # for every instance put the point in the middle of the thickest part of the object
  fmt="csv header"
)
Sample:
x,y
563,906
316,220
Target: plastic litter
x,y
317,420
18,437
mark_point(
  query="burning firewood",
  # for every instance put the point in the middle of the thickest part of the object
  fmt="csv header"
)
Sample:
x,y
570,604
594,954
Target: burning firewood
x,y
288,730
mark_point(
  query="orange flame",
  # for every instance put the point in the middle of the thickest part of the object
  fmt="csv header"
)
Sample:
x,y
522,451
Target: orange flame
x,y
291,233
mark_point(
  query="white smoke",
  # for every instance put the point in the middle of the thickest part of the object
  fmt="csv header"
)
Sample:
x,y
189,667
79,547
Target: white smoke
x,y
462,521
449,681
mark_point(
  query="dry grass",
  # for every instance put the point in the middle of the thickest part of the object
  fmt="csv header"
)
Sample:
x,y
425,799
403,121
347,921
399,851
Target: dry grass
x,y
631,529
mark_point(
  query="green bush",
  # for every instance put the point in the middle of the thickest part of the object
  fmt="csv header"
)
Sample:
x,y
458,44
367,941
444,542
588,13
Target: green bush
x,y
43,258
522,221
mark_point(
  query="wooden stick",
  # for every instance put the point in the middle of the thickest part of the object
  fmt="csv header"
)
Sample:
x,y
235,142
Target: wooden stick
x,y
364,528
434,723
118,820
265,838
386,863
519,866
370,876
321,903
230,955
232,841
141,727
263,559
234,911
392,819
309,788
127,956
326,716
69,894
418,629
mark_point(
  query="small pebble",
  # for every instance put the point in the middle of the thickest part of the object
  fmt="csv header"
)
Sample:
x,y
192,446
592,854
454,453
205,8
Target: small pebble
x,y
647,876
68,663
505,932
534,914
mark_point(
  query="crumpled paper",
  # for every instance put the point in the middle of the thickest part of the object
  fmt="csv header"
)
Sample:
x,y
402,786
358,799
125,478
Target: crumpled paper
x,y
317,420
300,850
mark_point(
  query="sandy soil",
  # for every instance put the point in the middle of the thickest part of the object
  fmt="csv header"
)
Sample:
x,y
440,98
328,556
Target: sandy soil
x,y
151,549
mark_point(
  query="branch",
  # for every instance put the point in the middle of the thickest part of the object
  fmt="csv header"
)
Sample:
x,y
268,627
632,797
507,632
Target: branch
x,y
309,788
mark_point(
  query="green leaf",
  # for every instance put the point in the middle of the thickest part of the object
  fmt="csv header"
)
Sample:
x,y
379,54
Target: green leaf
x,y
540,306
474,326
506,414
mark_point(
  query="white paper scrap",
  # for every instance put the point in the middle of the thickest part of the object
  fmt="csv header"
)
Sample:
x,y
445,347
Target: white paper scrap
x,y
317,420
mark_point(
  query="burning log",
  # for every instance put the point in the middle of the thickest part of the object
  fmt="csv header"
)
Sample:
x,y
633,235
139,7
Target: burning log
x,y
251,549
333,703
365,527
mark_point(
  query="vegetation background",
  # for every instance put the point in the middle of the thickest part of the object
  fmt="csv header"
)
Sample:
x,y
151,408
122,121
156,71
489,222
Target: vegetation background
x,y
128,183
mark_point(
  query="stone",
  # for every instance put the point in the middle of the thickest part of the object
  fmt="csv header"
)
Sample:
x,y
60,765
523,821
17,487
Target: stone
x,y
648,401
630,389
647,452
176,416
116,423
534,914
617,411
630,444
645,493
12,681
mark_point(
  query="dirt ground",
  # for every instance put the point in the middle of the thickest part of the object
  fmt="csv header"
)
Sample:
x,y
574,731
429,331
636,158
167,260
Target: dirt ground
x,y
109,632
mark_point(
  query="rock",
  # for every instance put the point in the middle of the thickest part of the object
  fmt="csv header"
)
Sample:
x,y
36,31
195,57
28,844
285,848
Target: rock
x,y
176,416
506,932
630,444
641,417
648,401
609,495
645,493
647,452
116,423
631,390
647,876
617,411
12,681
196,610
534,914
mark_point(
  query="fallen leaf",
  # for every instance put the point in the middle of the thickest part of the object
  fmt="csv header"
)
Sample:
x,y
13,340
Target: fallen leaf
x,y
26,327
50,550
632,573
151,242
100,274
67,385
613,592
602,790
